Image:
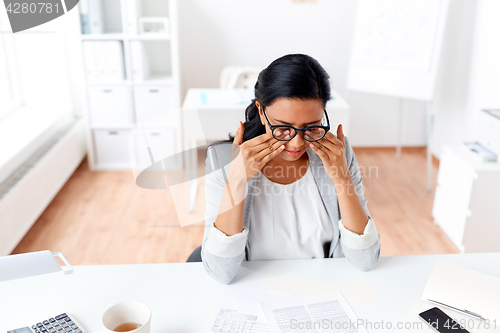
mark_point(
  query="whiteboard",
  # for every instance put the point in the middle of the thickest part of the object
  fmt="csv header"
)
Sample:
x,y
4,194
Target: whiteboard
x,y
396,47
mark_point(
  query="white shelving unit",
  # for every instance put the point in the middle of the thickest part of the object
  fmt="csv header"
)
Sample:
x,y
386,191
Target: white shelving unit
x,y
135,111
467,199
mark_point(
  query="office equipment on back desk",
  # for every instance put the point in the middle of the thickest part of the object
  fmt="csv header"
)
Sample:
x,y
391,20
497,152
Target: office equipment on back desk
x,y
488,129
466,199
389,291
482,153
211,114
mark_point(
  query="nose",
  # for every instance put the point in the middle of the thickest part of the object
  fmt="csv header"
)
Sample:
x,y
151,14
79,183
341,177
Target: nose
x,y
297,142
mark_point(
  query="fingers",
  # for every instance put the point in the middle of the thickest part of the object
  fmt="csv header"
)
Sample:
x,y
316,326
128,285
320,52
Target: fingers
x,y
272,154
238,137
331,144
328,148
260,139
320,150
262,145
329,135
283,134
340,133
268,149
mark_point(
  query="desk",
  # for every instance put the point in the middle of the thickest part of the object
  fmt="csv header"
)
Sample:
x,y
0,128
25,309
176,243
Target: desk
x,y
466,199
211,114
182,296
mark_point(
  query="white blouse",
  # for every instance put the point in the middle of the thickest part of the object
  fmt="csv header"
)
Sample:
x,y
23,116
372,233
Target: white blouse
x,y
291,222
288,221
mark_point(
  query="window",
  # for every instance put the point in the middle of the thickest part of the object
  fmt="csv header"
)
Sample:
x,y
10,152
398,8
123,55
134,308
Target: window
x,y
10,97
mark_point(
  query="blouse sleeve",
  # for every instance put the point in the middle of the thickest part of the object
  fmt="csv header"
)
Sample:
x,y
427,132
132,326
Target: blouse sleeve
x,y
219,244
362,251
355,241
221,254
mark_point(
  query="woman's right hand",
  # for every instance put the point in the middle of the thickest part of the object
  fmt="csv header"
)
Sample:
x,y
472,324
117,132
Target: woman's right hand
x,y
255,153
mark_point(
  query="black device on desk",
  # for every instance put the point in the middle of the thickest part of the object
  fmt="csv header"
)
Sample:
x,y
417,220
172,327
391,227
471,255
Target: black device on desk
x,y
441,322
63,323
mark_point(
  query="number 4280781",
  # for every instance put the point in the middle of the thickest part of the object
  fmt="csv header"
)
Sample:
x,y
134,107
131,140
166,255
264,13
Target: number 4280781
x,y
40,7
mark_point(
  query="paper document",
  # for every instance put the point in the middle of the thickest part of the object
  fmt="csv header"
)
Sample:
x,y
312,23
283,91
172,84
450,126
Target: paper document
x,y
462,288
230,320
325,313
238,310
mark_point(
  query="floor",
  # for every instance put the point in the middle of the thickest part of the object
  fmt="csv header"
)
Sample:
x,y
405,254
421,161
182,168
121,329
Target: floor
x,y
105,218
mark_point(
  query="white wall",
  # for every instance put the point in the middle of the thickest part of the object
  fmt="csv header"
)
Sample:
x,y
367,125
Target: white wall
x,y
484,87
218,33
451,122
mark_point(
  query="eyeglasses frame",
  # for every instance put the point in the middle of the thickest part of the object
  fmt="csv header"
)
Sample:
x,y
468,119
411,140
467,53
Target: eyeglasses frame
x,y
272,127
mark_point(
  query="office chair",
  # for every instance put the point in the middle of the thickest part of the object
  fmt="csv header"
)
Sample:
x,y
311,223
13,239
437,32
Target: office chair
x,y
234,77
195,256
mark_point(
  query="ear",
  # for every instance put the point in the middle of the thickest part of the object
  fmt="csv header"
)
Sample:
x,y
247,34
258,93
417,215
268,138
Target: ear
x,y
261,115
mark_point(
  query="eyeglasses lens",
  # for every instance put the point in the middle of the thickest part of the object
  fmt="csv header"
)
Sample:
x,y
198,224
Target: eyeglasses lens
x,y
283,133
314,134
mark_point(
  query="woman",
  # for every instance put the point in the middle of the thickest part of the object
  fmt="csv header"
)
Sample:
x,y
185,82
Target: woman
x,y
291,181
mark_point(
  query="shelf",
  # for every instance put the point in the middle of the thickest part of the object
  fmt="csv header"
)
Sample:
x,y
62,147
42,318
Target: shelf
x,y
103,37
150,62
150,37
114,83
155,79
157,125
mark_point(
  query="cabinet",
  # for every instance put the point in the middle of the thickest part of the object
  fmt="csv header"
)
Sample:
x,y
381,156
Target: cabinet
x,y
151,102
111,147
109,105
466,200
132,84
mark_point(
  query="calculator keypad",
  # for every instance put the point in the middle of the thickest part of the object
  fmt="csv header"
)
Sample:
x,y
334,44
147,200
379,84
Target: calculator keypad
x,y
59,324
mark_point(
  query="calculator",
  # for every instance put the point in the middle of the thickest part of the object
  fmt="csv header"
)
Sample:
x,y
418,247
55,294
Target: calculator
x,y
63,323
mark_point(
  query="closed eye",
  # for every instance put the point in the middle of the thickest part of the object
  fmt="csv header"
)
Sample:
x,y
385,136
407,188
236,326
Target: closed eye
x,y
314,123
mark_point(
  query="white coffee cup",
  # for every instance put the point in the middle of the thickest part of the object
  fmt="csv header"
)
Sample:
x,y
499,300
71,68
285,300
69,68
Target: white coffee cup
x,y
127,312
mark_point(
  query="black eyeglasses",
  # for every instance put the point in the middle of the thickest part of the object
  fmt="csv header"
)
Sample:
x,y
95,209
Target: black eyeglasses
x,y
287,132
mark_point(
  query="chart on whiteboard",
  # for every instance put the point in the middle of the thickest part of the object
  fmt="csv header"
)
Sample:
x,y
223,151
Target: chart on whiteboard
x,y
397,34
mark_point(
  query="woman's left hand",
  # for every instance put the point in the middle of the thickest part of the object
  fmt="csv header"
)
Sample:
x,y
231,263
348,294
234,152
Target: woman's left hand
x,y
332,152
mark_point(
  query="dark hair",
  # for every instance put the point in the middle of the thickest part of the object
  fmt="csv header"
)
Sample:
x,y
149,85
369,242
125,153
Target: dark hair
x,y
291,76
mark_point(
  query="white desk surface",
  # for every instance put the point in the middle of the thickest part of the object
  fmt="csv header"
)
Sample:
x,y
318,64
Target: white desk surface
x,y
182,296
200,98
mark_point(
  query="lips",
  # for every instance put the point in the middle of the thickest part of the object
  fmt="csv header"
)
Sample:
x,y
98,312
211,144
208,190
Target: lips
x,y
293,152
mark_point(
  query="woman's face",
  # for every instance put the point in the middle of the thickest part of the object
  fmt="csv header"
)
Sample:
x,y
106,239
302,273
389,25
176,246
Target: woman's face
x,y
298,113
